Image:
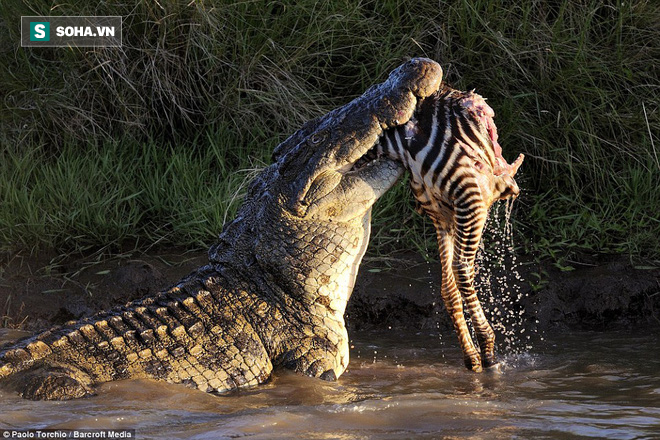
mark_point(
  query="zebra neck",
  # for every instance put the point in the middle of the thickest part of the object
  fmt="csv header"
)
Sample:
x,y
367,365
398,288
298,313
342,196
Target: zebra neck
x,y
414,141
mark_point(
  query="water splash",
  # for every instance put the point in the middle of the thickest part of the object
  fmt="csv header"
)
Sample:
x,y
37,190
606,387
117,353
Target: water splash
x,y
499,283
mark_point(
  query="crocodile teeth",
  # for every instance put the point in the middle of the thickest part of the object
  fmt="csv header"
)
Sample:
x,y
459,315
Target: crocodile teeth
x,y
369,156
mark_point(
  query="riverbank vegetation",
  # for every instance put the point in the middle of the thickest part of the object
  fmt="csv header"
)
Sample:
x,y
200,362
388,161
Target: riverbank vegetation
x,y
153,142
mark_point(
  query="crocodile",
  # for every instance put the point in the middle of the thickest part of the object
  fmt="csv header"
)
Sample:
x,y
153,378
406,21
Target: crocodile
x,y
277,282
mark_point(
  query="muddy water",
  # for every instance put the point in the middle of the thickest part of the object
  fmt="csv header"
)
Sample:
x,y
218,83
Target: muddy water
x,y
574,385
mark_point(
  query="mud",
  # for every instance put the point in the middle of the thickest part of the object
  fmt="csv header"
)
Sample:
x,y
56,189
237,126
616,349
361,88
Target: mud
x,y
600,296
42,290
37,292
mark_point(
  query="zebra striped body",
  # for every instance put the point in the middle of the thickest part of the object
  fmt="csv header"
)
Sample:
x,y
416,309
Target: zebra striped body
x,y
457,172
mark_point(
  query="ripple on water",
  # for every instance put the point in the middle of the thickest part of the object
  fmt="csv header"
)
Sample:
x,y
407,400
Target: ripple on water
x,y
569,386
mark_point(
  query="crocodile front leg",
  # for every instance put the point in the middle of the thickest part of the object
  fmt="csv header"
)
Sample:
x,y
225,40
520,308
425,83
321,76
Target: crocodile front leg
x,y
321,350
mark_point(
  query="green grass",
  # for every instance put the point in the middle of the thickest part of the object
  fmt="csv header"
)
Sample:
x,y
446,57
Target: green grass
x,y
144,143
122,193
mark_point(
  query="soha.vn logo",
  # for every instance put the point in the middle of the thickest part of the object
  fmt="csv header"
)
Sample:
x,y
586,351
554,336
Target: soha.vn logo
x,y
65,31
40,31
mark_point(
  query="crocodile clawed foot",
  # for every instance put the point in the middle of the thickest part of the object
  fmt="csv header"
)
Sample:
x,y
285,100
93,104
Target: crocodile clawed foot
x,y
54,383
329,376
321,368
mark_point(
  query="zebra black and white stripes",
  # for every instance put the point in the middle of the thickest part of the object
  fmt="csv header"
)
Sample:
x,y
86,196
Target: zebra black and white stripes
x,y
457,171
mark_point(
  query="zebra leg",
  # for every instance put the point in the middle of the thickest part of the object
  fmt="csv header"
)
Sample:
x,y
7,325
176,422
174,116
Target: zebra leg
x,y
453,301
470,222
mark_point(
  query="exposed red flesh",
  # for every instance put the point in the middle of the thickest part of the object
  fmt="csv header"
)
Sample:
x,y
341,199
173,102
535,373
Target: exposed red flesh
x,y
485,114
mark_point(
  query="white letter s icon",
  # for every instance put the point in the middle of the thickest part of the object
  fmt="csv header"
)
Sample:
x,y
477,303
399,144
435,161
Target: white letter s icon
x,y
40,31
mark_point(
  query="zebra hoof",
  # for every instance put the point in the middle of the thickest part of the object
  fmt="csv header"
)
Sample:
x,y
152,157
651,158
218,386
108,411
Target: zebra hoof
x,y
473,363
490,362
493,365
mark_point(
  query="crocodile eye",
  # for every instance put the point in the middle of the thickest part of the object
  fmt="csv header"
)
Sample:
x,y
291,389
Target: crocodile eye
x,y
318,137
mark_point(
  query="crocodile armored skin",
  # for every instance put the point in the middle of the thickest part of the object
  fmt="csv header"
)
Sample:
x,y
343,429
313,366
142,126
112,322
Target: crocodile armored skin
x,y
277,282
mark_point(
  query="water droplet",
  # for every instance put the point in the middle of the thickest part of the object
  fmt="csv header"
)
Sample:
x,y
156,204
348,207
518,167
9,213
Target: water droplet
x,y
498,282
